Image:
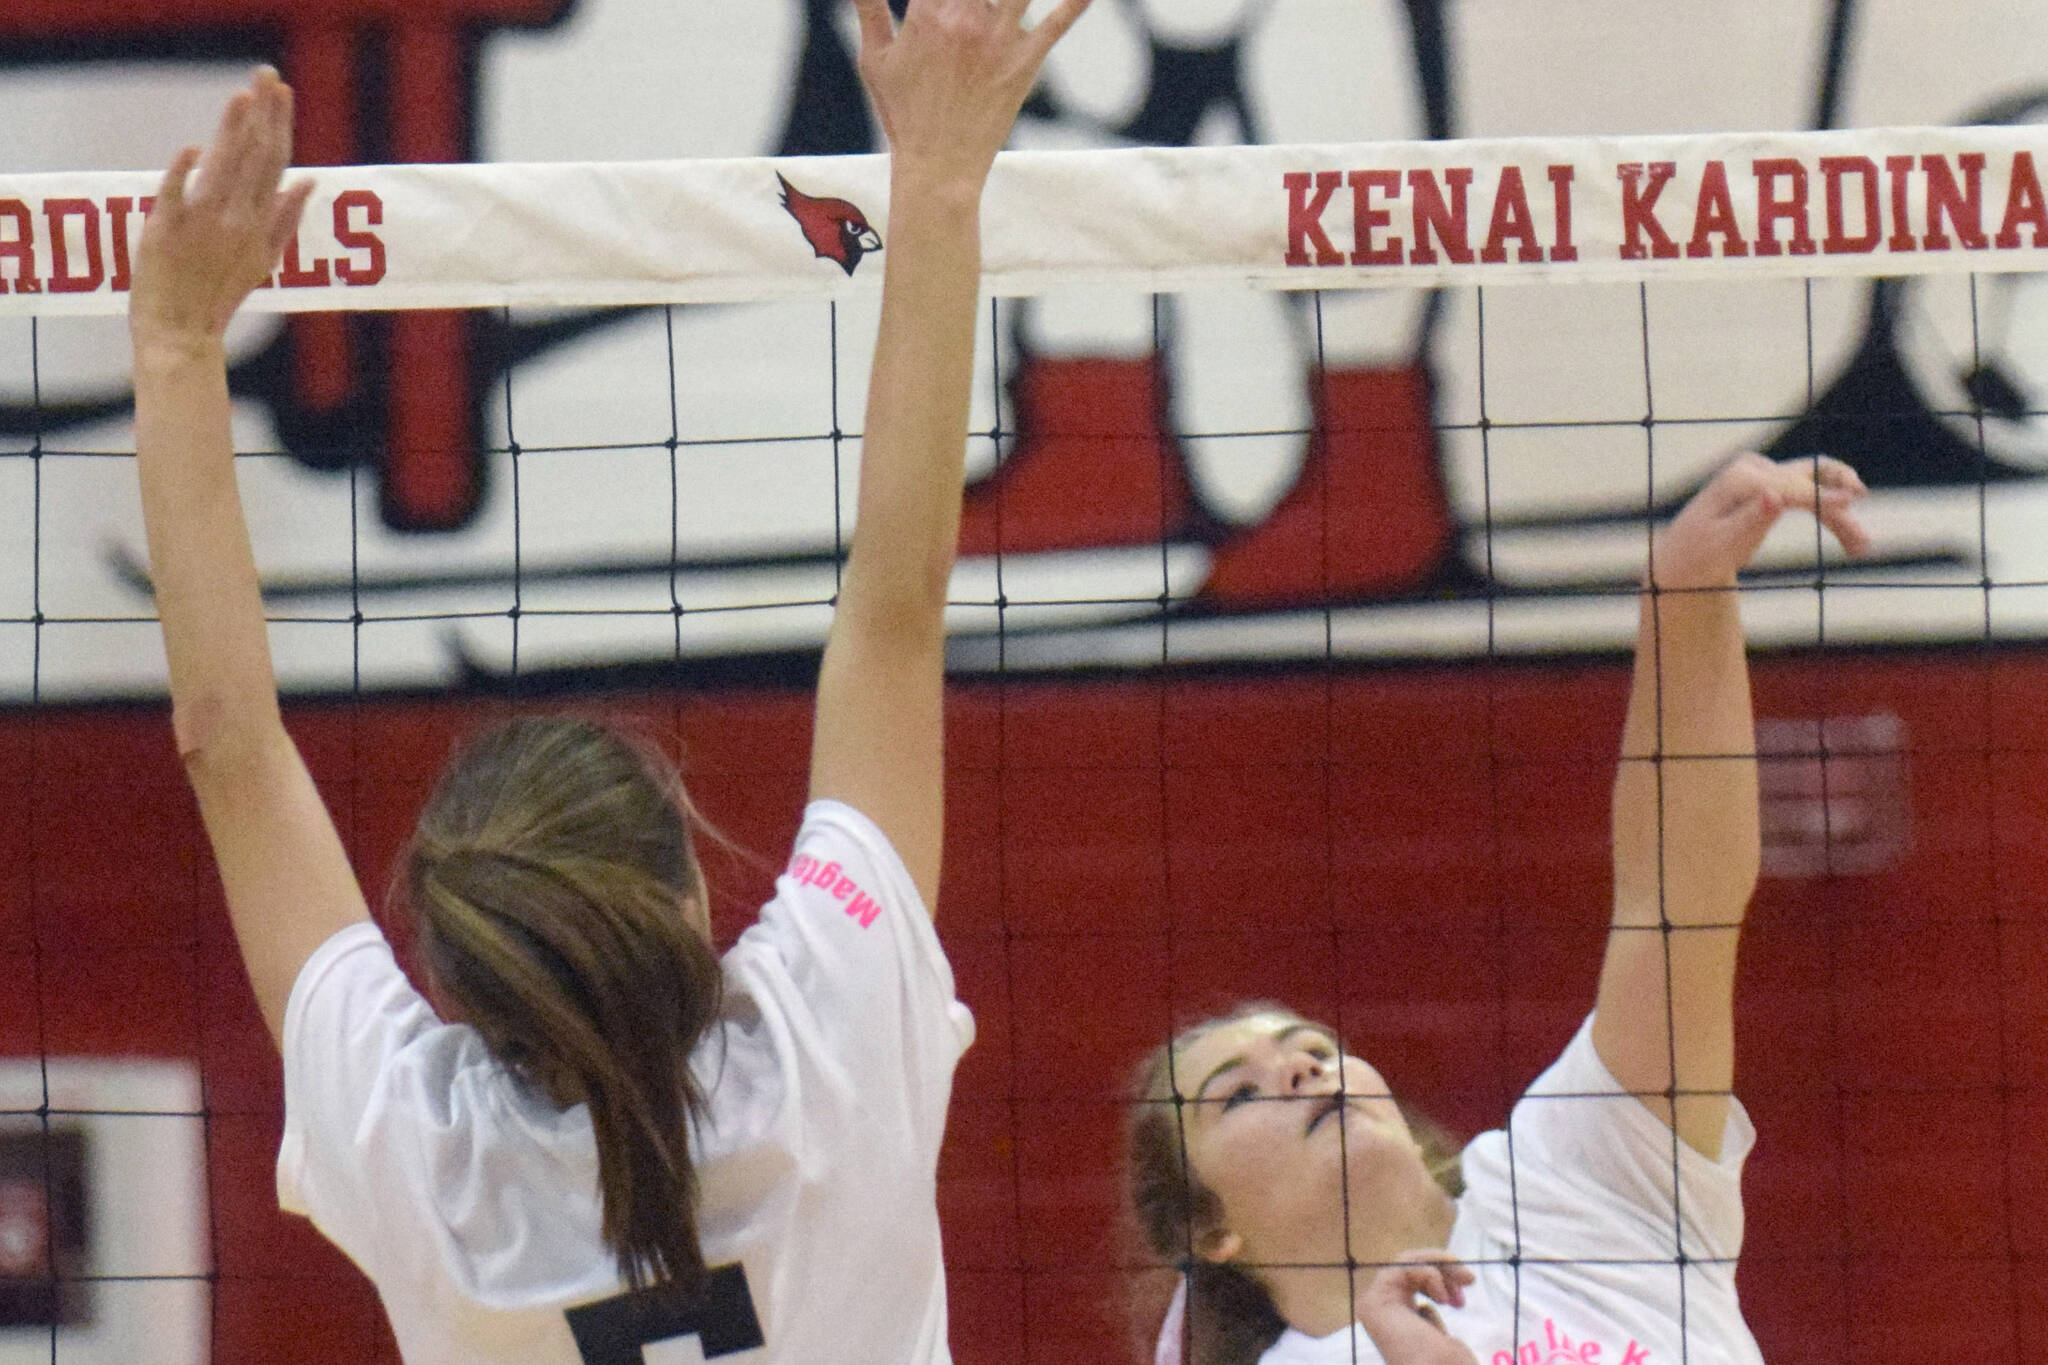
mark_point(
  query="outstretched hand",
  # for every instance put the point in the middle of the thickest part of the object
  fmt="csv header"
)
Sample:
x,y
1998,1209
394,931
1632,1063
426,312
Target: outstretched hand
x,y
214,237
947,84
1408,1332
1715,534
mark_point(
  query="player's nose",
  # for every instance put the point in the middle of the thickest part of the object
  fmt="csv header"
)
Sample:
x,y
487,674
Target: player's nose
x,y
1302,1074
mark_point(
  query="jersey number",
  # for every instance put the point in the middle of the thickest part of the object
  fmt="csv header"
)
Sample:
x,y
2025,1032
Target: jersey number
x,y
719,1313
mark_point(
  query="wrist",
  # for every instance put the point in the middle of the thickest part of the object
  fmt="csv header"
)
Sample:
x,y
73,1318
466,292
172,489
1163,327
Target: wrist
x,y
1692,583
163,346
949,189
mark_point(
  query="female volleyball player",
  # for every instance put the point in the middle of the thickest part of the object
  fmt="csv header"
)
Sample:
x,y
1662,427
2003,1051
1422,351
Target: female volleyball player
x,y
613,1139
1603,1223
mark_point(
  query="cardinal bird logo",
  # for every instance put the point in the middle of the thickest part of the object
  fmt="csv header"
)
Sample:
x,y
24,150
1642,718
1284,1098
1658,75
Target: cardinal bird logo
x,y
837,230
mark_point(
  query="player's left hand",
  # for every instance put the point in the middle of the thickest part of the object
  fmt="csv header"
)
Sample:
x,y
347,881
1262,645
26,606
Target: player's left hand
x,y
1409,1332
212,238
1715,534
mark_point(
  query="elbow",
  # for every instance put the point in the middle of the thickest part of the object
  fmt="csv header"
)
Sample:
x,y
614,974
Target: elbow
x,y
903,625
923,583
215,736
932,587
196,726
907,599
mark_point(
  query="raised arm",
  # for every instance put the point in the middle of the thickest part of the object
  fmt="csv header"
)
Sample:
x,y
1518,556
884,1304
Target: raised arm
x,y
1686,841
947,86
209,241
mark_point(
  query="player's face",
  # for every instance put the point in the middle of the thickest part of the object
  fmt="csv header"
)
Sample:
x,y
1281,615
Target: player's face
x,y
1288,1131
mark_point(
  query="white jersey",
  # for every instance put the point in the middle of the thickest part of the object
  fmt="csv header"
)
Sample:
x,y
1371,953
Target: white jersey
x,y
472,1201
1581,1182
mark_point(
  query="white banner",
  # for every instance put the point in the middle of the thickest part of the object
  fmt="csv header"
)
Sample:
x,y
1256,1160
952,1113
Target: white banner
x,y
1870,202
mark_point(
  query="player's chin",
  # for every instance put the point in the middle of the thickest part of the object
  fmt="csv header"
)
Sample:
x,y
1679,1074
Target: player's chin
x,y
1373,1153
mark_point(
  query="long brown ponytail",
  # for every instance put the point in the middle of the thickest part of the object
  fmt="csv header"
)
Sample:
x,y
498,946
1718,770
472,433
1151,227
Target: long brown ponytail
x,y
554,884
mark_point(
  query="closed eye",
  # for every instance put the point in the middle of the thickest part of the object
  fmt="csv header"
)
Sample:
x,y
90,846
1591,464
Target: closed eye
x,y
1238,1096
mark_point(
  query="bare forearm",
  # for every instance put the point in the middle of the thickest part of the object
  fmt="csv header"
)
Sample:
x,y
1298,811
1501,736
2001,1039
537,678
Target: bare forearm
x,y
209,241
1687,776
881,703
915,434
1686,844
946,85
222,684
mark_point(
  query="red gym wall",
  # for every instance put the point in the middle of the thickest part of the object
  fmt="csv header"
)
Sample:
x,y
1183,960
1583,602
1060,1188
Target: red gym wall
x,y
1418,853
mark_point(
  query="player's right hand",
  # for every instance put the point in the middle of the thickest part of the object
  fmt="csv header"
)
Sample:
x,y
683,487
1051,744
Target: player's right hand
x,y
1716,532
948,83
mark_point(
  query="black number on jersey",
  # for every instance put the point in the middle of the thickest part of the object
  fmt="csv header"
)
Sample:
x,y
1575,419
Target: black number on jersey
x,y
719,1313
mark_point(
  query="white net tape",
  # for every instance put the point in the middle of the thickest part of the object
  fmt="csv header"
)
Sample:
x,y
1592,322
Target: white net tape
x,y
1871,202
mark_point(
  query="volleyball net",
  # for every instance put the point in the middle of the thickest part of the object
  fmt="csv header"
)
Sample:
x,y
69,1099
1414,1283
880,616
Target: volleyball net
x,y
1309,492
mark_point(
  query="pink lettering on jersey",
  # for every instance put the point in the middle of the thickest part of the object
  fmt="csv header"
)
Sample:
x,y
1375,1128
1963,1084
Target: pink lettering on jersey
x,y
827,877
1557,1348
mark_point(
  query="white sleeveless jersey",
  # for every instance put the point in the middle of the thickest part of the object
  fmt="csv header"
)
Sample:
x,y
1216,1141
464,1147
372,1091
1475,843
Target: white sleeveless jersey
x,y
1595,1238
472,1202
